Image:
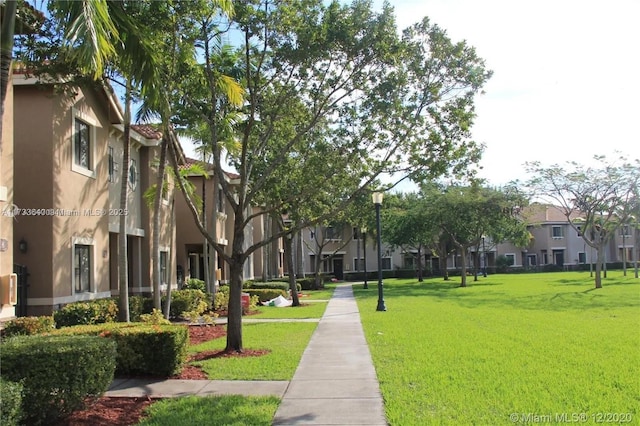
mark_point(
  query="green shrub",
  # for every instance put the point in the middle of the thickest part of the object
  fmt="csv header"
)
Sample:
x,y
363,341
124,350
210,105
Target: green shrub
x,y
10,403
25,326
221,300
188,301
143,349
194,284
308,283
155,317
280,285
92,312
57,372
139,305
266,294
224,289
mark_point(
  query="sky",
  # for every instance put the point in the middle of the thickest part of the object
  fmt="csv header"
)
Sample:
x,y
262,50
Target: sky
x,y
565,85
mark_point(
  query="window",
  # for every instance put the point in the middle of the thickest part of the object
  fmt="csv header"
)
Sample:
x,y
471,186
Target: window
x,y
332,233
358,264
163,267
545,257
579,230
556,232
409,261
82,145
511,258
133,175
386,263
82,268
113,166
582,257
625,231
356,233
220,200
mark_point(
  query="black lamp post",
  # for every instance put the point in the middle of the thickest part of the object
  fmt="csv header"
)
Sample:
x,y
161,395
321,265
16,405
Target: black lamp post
x,y
484,259
377,200
364,244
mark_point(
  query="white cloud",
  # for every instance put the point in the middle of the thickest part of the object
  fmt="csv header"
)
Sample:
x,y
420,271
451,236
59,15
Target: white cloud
x,y
564,84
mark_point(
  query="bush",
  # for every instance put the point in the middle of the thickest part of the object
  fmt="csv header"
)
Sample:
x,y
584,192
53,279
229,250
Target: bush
x,y
10,403
93,312
144,349
266,285
266,294
194,284
155,317
57,372
221,300
188,301
25,326
139,305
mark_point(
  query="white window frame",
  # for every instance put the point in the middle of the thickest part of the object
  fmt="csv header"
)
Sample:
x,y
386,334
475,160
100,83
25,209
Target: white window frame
x,y
584,260
513,256
382,266
164,266
557,237
83,241
359,262
92,124
133,183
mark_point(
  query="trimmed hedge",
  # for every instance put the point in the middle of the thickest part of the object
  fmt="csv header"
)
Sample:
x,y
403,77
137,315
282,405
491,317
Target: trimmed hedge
x,y
143,349
57,372
27,326
10,403
92,312
265,294
187,301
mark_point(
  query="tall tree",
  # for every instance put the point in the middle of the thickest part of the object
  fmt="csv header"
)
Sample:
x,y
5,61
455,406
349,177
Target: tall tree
x,y
333,85
597,195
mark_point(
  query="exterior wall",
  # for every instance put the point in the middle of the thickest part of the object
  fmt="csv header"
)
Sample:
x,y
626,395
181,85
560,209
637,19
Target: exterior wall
x,y
6,200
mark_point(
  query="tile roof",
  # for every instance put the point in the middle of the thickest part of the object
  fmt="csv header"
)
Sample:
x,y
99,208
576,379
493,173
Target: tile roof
x,y
147,131
208,166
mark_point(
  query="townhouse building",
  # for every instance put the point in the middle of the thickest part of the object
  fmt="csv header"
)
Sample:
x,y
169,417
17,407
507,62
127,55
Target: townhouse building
x,y
68,163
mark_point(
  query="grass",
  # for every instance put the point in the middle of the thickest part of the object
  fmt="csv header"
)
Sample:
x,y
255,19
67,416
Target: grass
x,y
286,341
322,294
233,410
530,344
310,310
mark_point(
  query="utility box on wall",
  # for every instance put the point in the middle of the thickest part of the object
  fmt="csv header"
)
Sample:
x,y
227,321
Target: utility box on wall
x,y
9,290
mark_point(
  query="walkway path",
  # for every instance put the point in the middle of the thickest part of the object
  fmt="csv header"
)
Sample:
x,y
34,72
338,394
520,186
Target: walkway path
x,y
334,384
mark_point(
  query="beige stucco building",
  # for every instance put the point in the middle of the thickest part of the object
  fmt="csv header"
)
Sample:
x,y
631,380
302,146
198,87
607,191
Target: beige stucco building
x,y
68,158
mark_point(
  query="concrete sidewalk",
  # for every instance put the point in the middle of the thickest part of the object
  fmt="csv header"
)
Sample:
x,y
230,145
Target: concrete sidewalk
x,y
335,383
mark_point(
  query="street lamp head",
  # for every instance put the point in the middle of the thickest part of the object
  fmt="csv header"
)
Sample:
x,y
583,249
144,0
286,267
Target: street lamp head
x,y
377,197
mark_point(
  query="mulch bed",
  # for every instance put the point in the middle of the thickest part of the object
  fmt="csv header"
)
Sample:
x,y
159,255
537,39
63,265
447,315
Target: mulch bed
x,y
127,411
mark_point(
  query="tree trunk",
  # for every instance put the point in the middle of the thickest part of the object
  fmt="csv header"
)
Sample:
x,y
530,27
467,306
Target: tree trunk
x,y
236,266
156,277
420,272
624,256
288,249
7,31
123,279
599,262
167,303
205,243
636,243
463,269
443,261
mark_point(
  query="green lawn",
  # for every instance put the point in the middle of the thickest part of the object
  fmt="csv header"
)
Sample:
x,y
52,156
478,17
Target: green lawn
x,y
232,410
286,341
534,345
306,310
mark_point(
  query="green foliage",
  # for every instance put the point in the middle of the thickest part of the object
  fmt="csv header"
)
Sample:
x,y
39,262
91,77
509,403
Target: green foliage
x,y
221,301
156,317
57,372
28,326
194,284
188,301
282,285
503,263
10,402
266,294
145,349
139,305
93,312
